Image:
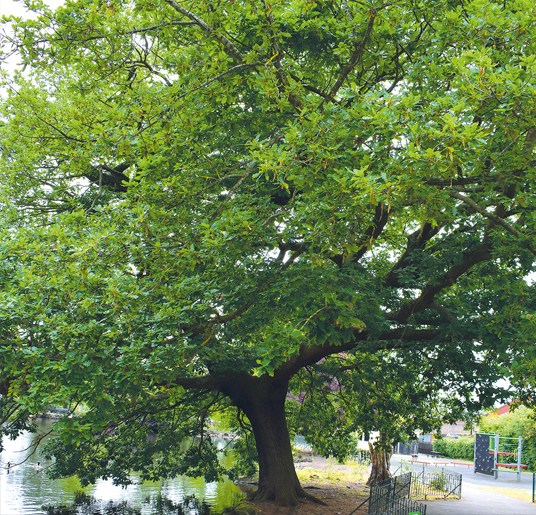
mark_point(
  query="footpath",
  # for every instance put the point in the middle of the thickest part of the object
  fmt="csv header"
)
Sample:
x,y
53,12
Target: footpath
x,y
475,500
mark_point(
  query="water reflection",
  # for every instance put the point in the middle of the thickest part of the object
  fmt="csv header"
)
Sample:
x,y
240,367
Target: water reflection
x,y
158,505
25,488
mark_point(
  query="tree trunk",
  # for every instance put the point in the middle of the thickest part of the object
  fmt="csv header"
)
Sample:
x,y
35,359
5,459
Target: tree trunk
x,y
380,460
262,399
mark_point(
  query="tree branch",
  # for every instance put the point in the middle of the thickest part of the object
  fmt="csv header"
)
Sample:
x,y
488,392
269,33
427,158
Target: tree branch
x,y
479,209
201,382
354,58
426,299
460,181
416,240
442,311
229,47
310,355
230,195
381,217
159,26
282,82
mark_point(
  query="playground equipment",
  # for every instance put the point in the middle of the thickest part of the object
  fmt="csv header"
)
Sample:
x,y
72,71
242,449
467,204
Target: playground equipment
x,y
483,460
506,446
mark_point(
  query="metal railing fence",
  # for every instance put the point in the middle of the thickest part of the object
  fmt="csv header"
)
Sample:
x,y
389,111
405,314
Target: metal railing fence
x,y
396,495
383,494
437,483
402,507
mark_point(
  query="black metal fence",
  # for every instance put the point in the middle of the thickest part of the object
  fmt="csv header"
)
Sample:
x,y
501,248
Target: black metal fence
x,y
409,448
385,493
425,447
414,448
396,495
443,483
402,507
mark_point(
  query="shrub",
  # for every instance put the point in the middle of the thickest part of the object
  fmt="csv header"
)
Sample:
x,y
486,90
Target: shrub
x,y
457,448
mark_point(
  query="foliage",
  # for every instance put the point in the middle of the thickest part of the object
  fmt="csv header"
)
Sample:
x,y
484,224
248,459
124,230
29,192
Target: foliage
x,y
462,448
203,203
439,481
345,395
518,422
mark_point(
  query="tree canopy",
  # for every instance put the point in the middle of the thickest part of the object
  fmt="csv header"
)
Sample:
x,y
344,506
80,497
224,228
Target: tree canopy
x,y
204,201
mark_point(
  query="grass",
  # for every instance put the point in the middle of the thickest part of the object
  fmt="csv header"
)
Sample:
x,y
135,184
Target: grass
x,y
355,473
515,493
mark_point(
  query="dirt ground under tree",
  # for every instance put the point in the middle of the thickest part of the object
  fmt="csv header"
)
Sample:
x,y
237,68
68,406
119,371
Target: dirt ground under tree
x,y
340,487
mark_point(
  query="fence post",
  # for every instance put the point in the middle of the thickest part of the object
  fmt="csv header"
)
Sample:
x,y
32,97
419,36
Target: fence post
x,y
533,484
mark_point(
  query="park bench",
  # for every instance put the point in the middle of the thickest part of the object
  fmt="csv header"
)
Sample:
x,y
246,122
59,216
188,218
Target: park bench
x,y
454,463
508,465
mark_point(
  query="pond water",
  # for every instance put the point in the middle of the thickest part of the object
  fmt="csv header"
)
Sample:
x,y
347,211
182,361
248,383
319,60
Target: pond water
x,y
25,488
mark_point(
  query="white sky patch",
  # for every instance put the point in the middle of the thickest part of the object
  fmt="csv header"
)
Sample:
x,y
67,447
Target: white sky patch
x,y
10,7
13,8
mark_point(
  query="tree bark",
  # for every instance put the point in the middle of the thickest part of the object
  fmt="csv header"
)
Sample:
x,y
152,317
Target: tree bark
x,y
262,399
380,460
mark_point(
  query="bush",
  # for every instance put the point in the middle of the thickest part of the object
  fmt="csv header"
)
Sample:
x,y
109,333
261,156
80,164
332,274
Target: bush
x,y
439,481
520,422
457,448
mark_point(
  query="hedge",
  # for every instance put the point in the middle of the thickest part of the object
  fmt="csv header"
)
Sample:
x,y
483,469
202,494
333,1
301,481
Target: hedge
x,y
457,448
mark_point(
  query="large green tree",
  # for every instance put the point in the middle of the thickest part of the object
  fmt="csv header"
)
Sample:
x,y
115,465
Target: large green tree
x,y
202,200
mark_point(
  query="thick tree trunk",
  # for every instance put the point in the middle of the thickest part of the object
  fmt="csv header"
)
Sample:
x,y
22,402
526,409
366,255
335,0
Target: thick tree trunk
x,y
262,399
381,462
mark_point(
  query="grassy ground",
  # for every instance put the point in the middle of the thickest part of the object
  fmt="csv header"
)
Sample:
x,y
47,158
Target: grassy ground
x,y
333,473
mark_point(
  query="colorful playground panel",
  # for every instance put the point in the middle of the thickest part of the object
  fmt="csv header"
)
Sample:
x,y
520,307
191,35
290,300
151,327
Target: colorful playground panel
x,y
506,446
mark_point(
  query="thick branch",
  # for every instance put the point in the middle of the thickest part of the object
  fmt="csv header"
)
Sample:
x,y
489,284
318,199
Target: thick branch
x,y
426,299
112,177
390,339
442,311
416,240
207,382
4,386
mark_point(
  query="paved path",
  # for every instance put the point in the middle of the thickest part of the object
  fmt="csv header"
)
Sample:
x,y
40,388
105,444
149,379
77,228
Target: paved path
x,y
507,480
475,501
